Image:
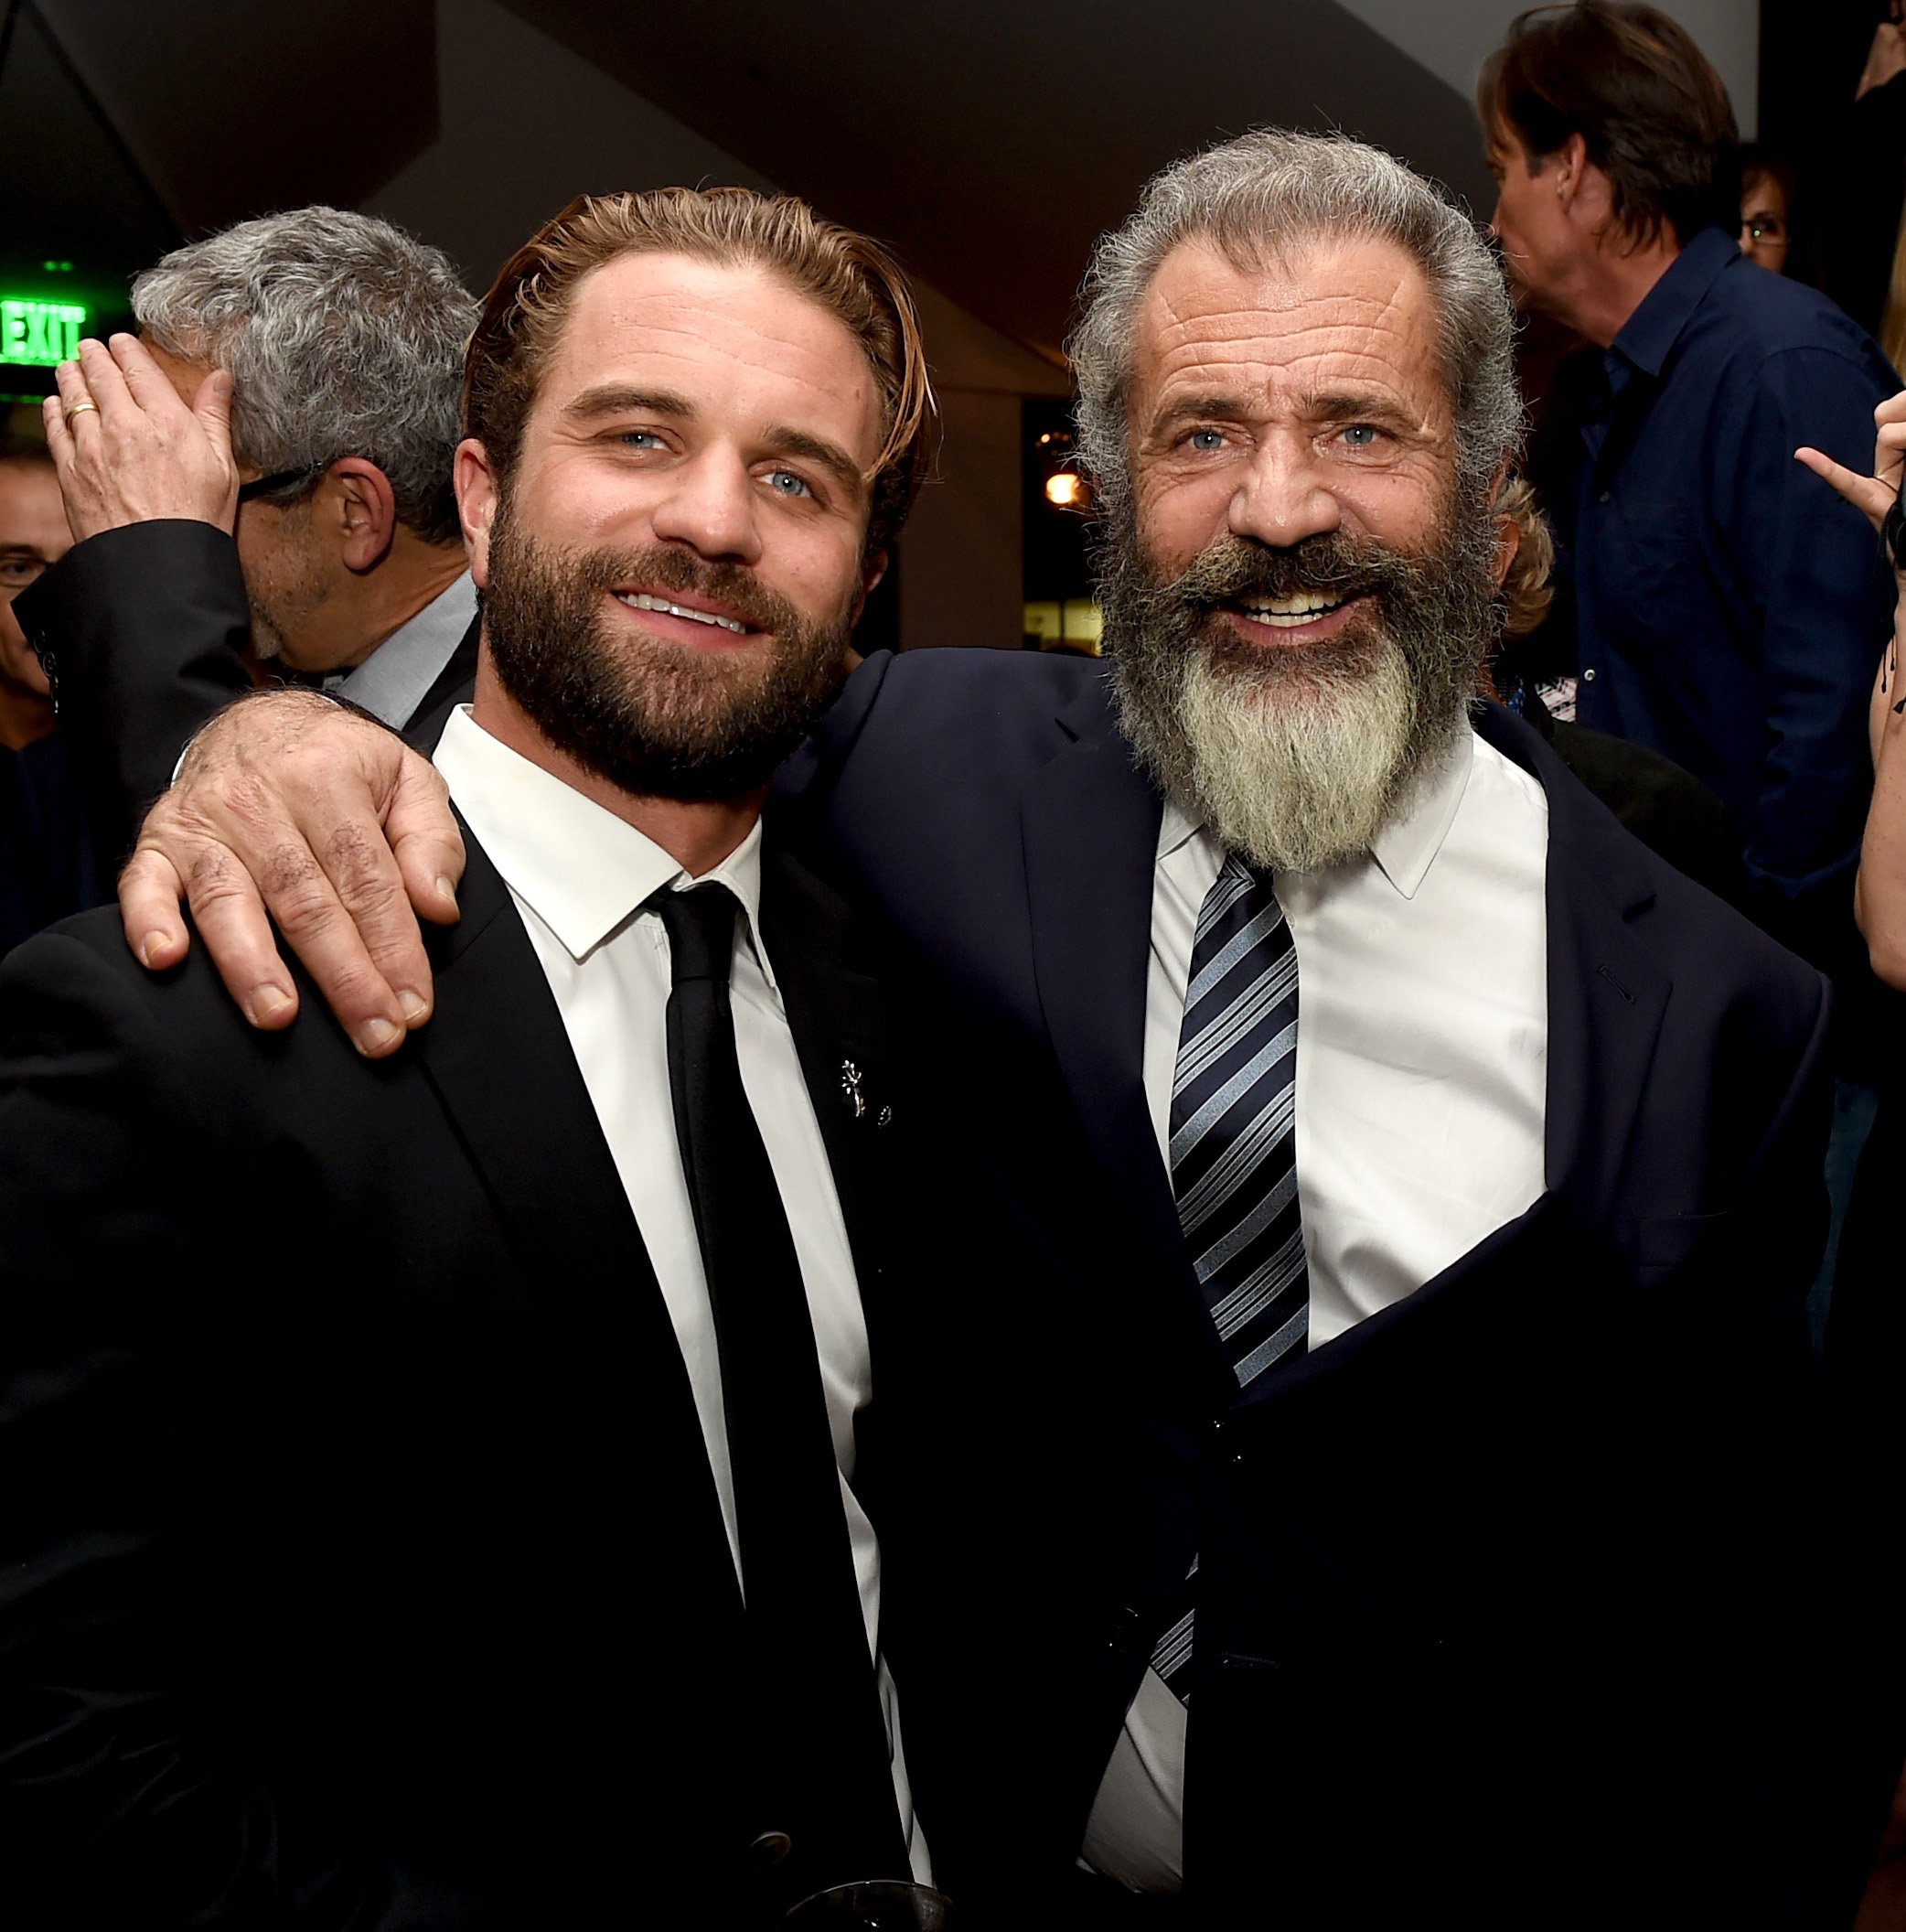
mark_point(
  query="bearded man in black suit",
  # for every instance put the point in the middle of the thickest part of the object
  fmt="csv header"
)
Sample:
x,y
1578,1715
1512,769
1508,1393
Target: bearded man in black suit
x,y
389,1444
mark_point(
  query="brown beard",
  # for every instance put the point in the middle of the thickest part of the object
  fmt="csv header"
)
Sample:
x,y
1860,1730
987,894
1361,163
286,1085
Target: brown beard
x,y
654,719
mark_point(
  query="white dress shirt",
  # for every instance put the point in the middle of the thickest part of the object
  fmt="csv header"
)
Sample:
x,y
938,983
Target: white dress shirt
x,y
1422,1066
579,876
397,676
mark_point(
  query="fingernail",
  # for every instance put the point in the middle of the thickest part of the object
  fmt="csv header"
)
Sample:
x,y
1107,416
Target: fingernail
x,y
374,1035
151,944
266,1003
415,1006
446,888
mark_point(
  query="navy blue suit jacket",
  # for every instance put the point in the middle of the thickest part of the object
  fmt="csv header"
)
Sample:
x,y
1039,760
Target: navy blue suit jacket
x,y
1494,1583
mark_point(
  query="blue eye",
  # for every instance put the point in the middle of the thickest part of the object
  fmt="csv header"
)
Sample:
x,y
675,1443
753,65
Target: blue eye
x,y
785,483
1207,439
642,439
1360,436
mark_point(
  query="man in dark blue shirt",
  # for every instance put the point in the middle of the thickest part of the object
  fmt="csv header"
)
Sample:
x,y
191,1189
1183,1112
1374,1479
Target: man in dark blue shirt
x,y
1731,609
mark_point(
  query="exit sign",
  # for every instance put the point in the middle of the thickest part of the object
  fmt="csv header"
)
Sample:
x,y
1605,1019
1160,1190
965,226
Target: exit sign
x,y
39,333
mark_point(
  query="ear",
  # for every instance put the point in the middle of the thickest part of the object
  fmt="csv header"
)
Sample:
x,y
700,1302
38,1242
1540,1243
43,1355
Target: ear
x,y
1508,533
1508,541
366,512
475,486
874,573
1571,166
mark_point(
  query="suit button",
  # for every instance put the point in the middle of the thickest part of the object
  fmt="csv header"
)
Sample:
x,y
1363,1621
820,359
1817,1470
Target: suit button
x,y
1588,677
771,1847
1128,1635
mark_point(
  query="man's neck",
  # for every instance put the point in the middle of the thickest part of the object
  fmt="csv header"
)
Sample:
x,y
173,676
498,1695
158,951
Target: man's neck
x,y
376,606
696,833
25,716
1614,282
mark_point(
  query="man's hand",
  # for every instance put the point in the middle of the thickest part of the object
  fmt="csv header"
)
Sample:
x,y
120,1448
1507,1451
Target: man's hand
x,y
1873,494
128,449
289,804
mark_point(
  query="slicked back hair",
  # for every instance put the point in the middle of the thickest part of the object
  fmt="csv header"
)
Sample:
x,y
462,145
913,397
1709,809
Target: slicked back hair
x,y
1649,107
848,275
344,336
1260,200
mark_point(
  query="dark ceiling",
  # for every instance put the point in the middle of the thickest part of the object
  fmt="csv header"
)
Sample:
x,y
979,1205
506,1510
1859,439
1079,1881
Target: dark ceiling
x,y
991,141
233,107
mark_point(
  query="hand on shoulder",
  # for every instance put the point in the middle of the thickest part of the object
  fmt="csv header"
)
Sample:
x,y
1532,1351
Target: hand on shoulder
x,y
291,809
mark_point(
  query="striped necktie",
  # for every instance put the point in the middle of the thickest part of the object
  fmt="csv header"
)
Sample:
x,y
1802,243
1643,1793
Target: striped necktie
x,y
1233,1148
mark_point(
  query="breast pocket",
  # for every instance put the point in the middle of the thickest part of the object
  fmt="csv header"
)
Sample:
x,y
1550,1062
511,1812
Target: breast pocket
x,y
1666,1244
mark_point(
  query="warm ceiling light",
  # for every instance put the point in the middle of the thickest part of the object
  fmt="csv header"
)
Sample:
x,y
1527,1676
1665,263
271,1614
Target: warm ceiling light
x,y
1066,489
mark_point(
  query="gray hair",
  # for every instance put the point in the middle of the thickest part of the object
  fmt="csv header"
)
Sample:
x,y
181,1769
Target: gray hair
x,y
1255,199
344,336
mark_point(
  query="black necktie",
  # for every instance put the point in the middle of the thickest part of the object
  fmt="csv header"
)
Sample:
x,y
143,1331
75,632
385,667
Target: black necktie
x,y
827,1779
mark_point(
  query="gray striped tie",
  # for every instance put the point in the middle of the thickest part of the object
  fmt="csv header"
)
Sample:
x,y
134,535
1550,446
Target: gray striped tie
x,y
1233,1149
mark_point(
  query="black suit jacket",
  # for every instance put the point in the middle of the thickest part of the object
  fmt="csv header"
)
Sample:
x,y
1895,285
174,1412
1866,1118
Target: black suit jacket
x,y
361,1565
143,632
1493,1619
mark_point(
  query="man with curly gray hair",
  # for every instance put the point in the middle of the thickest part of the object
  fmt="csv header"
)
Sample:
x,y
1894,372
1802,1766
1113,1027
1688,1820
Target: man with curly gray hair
x,y
339,342
1346,1434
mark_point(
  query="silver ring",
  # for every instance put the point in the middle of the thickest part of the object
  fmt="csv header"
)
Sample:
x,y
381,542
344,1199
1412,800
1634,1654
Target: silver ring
x,y
80,409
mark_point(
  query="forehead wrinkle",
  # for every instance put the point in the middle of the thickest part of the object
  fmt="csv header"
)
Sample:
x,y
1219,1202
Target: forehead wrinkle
x,y
724,373
1297,339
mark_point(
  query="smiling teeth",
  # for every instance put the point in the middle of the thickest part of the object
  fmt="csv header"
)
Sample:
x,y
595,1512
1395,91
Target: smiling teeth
x,y
643,601
1287,613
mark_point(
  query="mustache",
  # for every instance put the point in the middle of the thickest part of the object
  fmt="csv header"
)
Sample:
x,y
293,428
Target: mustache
x,y
665,568
1333,563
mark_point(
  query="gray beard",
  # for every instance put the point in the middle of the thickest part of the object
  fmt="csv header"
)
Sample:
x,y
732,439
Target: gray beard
x,y
1297,757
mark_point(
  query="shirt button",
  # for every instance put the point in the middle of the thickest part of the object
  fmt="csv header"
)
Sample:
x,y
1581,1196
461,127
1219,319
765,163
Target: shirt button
x,y
1588,677
1607,496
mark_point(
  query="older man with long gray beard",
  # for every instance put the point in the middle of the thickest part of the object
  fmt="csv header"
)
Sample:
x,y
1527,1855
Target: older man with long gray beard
x,y
1349,1444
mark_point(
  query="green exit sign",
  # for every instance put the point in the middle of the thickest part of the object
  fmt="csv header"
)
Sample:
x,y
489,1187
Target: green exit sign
x,y
39,333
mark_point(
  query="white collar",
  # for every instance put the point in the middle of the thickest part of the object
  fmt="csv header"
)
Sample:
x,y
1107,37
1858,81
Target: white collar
x,y
1406,845
584,872
397,676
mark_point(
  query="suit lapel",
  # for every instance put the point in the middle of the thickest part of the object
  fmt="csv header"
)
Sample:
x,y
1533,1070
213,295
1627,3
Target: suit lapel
x,y
1090,824
500,1059
1606,993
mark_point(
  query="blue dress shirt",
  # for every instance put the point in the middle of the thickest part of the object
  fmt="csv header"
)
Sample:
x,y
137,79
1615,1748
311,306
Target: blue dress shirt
x,y
1731,608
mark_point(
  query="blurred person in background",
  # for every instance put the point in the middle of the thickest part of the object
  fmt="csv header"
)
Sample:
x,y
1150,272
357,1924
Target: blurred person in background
x,y
1727,606
1768,197
1865,1341
332,345
1860,198
48,864
1675,816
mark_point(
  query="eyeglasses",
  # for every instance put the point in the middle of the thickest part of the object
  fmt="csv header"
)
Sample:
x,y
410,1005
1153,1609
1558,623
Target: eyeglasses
x,y
279,479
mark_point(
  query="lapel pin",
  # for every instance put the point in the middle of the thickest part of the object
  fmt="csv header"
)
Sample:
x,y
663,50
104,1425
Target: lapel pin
x,y
851,1087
